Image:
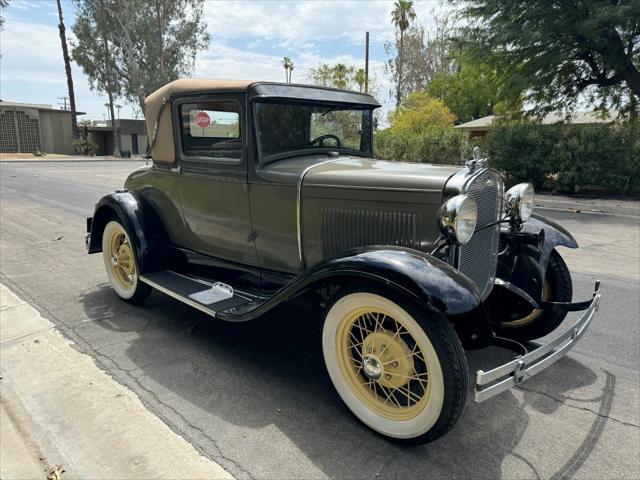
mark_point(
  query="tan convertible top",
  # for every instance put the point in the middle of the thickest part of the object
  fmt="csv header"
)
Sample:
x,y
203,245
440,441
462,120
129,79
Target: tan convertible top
x,y
163,149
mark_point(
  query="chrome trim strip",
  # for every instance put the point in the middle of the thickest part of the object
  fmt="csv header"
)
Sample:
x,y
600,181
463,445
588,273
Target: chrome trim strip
x,y
515,372
173,294
299,209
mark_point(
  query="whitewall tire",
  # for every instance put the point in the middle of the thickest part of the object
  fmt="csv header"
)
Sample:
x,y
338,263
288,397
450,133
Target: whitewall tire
x,y
388,365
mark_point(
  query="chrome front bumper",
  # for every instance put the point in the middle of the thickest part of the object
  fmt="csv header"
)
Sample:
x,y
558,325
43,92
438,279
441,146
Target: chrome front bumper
x,y
493,382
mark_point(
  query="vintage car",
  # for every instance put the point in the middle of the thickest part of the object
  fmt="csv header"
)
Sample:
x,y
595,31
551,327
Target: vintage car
x,y
260,192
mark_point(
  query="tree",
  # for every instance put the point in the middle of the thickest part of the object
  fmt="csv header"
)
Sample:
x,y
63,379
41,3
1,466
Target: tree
x,y
359,78
3,4
67,69
420,112
151,48
401,16
94,54
561,52
426,54
287,63
473,90
341,76
421,130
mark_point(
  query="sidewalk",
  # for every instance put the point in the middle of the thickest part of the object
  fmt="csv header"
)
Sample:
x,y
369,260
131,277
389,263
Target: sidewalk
x,y
52,157
58,409
588,205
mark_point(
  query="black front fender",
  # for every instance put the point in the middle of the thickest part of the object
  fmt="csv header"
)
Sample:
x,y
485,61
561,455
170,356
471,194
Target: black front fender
x,y
431,282
554,235
524,259
137,219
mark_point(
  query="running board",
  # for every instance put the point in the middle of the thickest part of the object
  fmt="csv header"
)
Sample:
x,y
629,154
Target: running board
x,y
207,297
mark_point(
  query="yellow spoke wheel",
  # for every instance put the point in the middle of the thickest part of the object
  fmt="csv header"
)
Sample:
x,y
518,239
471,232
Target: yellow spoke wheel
x,y
384,365
119,260
391,365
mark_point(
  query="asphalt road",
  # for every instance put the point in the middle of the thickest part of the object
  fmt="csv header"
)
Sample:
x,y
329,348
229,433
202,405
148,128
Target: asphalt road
x,y
256,398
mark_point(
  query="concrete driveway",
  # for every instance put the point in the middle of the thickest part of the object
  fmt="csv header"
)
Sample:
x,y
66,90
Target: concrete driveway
x,y
256,398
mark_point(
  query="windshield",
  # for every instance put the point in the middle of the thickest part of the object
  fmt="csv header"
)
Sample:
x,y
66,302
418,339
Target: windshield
x,y
286,129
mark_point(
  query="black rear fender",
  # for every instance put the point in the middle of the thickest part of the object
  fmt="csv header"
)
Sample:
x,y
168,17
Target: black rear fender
x,y
139,219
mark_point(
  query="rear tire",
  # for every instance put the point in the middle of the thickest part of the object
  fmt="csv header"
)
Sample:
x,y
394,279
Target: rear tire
x,y
401,370
120,263
557,287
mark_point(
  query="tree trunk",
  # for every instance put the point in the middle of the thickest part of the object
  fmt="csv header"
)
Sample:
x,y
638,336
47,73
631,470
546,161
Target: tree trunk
x,y
160,42
400,60
67,68
633,107
632,78
114,127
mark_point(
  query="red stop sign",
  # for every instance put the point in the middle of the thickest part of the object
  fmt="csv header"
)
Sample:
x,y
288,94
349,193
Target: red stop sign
x,y
203,120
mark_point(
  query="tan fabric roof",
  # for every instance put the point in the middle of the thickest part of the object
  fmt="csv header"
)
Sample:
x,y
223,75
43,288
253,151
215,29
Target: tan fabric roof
x,y
163,149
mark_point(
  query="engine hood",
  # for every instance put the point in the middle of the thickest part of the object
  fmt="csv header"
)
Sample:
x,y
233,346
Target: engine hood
x,y
354,202
369,173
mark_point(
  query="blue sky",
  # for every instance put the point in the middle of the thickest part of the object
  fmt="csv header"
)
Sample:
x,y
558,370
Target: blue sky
x,y
248,40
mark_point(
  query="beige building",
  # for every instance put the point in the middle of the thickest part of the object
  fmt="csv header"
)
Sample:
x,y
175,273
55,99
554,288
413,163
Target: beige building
x,y
133,136
28,127
481,126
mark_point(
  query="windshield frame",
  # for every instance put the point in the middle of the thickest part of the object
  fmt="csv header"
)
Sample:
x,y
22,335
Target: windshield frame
x,y
262,160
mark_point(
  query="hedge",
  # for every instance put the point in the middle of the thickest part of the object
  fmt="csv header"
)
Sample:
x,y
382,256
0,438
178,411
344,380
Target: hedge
x,y
433,145
568,158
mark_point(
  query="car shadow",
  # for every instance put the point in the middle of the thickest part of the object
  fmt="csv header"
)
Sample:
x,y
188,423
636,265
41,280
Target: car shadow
x,y
257,394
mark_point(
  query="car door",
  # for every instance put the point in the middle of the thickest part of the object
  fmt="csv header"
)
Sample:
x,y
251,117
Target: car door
x,y
213,176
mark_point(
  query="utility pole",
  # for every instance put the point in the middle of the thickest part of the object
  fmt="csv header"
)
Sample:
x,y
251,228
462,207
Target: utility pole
x,y
62,102
366,64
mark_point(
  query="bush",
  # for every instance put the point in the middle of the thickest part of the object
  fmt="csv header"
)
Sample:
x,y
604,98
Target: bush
x,y
434,145
421,131
568,158
84,147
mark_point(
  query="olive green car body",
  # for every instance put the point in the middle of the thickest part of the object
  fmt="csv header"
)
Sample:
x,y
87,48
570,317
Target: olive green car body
x,y
327,217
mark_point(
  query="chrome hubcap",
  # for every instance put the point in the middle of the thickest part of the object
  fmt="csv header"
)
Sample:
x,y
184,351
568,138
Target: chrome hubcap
x,y
372,367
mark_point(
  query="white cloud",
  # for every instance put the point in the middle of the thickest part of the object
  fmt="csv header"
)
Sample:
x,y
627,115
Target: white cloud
x,y
295,23
311,32
32,70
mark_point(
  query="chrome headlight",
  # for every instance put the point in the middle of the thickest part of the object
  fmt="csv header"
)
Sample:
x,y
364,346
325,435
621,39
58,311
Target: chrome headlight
x,y
457,218
518,201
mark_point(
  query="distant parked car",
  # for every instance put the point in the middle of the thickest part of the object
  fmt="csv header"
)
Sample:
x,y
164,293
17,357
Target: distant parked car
x,y
259,192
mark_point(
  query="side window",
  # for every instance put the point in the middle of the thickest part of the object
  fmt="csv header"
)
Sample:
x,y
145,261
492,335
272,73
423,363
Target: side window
x,y
211,129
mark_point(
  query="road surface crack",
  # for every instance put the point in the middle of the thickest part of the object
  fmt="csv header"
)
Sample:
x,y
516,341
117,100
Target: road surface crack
x,y
563,401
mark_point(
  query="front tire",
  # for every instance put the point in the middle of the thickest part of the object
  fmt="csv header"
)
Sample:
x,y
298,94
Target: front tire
x,y
119,257
557,287
401,371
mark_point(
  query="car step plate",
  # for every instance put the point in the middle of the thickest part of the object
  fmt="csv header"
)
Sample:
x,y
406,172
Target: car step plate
x,y
206,297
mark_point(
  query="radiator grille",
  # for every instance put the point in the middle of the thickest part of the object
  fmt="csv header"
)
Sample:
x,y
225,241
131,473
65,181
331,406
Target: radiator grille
x,y
343,229
478,259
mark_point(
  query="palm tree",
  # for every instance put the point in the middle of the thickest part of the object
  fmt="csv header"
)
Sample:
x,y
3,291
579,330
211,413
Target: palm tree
x,y
67,68
341,75
401,16
359,77
287,63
